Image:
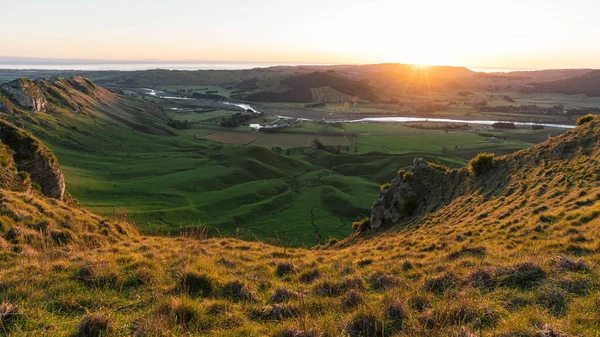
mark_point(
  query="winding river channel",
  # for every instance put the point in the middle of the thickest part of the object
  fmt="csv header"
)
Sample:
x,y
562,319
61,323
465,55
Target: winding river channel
x,y
246,107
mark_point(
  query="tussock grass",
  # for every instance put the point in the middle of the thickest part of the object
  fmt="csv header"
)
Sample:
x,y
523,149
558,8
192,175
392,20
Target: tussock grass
x,y
520,270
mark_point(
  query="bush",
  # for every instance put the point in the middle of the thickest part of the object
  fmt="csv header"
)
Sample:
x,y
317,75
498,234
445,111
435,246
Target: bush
x,y
439,167
24,176
405,175
482,163
361,225
585,119
409,205
384,187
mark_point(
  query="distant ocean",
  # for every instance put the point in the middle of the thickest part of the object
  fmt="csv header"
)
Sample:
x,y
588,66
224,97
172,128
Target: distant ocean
x,y
6,63
131,66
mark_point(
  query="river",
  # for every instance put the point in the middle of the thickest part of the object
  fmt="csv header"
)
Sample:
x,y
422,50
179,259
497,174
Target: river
x,y
247,107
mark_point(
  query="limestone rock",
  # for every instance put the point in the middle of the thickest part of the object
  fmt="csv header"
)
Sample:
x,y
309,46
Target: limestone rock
x,y
31,156
26,94
420,189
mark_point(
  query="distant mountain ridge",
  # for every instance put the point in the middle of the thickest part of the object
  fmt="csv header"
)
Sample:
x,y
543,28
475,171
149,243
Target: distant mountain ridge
x,y
372,82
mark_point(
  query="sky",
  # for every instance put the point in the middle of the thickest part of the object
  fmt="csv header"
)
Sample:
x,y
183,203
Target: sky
x,y
529,34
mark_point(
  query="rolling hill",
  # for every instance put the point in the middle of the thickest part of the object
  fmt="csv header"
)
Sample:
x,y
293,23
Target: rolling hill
x,y
509,248
297,88
587,84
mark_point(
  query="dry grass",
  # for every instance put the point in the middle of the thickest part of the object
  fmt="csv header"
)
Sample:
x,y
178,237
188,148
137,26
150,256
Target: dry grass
x,y
514,257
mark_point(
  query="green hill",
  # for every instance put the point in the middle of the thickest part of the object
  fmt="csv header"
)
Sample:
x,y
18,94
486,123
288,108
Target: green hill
x,y
506,247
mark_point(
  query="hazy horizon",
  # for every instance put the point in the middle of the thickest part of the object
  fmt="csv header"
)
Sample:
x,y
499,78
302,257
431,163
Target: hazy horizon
x,y
28,63
533,34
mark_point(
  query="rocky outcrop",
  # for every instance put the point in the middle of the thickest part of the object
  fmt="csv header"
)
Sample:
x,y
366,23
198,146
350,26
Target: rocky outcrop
x,y
31,156
417,190
3,107
25,94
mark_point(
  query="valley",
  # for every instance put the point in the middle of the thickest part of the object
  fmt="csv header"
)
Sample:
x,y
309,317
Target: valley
x,y
166,161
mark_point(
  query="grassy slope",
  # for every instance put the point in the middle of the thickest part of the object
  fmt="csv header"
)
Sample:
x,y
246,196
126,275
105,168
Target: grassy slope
x,y
516,256
164,182
123,158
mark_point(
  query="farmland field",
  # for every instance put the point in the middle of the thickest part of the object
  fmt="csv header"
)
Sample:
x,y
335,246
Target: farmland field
x,y
236,138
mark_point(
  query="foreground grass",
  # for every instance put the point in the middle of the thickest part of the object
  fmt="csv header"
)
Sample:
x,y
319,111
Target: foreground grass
x,y
409,284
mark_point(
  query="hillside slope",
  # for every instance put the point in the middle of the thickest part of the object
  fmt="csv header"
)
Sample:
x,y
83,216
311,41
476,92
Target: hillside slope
x,y
297,88
587,84
118,154
512,251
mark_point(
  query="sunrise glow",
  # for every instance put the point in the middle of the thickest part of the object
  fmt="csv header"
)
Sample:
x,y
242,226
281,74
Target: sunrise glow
x,y
517,34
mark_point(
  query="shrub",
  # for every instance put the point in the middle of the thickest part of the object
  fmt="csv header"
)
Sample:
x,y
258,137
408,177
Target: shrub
x,y
439,167
361,225
196,284
95,325
585,119
409,205
24,176
384,187
332,241
482,163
